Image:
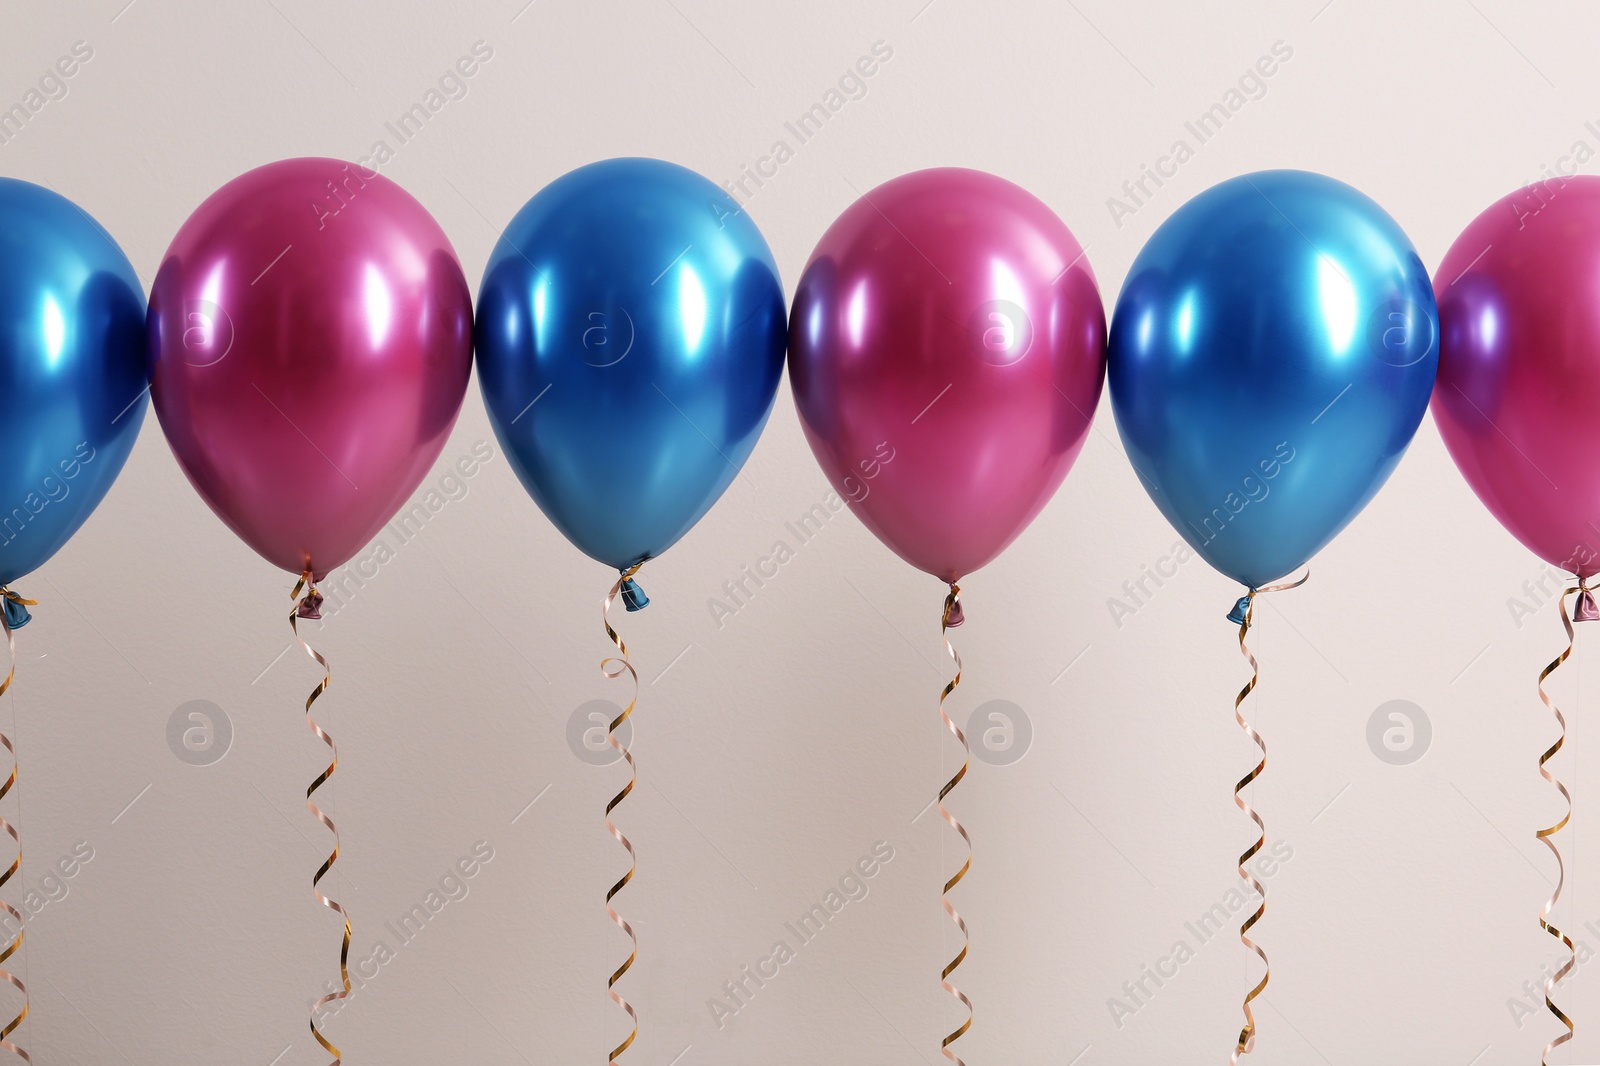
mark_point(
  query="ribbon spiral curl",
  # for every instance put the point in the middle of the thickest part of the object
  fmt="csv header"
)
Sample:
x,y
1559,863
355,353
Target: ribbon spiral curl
x,y
1546,834
307,608
1247,1035
10,830
953,617
614,666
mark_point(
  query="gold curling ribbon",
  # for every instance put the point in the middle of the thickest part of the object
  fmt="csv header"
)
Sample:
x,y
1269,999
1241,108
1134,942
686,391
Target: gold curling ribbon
x,y
614,666
11,831
1546,834
952,602
1247,1035
311,600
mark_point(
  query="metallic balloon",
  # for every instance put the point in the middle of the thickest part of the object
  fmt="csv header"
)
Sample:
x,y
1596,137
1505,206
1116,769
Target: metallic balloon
x,y
72,370
947,354
630,340
1519,366
311,337
1271,356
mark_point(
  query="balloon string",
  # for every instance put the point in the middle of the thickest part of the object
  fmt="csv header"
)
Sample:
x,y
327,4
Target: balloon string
x,y
613,667
307,608
1247,1035
10,830
952,604
1546,834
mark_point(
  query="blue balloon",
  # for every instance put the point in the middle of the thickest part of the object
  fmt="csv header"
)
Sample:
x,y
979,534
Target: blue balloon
x,y
631,331
73,372
1271,356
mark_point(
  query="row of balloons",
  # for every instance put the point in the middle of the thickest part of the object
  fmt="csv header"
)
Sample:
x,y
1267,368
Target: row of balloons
x,y
310,334
309,339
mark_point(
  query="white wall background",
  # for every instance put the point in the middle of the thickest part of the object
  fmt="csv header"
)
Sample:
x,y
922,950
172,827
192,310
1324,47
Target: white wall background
x,y
778,748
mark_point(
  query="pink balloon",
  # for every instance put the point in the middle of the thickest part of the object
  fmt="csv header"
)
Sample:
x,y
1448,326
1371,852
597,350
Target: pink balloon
x,y
311,338
947,350
1519,366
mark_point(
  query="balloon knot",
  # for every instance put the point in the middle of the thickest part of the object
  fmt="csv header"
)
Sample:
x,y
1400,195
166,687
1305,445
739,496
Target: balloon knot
x,y
1240,610
17,615
310,606
633,597
955,615
1587,611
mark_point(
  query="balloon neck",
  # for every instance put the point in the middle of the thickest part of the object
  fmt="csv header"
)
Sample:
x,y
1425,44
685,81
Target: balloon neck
x,y
953,614
633,597
310,606
16,610
1241,610
1586,611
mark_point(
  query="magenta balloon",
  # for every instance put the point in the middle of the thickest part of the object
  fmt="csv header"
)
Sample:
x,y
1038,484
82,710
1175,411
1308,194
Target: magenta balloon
x,y
311,333
947,350
1519,366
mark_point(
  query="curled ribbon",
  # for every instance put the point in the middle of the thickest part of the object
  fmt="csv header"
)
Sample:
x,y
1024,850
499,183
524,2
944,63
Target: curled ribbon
x,y
307,607
1244,614
1546,834
614,666
15,605
953,616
